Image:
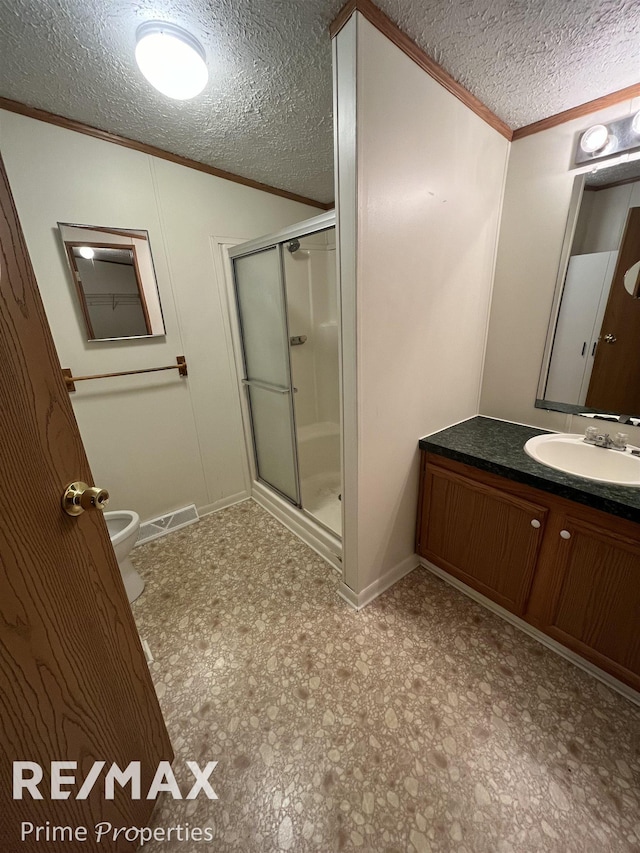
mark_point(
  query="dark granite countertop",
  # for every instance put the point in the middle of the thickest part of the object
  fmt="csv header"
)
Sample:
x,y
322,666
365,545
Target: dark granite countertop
x,y
498,447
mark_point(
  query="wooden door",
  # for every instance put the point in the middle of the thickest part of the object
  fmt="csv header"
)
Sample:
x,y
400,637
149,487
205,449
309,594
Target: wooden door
x,y
615,379
590,594
74,683
481,535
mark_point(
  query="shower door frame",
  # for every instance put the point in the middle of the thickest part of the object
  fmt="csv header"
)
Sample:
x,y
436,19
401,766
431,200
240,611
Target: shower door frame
x,y
296,517
300,229
248,383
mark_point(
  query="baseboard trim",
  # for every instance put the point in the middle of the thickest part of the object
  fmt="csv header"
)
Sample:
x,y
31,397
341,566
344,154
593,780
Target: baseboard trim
x,y
609,680
326,545
223,503
206,509
348,595
358,600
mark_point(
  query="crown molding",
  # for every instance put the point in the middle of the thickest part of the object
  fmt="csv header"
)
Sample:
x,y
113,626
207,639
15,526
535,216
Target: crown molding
x,y
577,112
401,40
143,147
386,26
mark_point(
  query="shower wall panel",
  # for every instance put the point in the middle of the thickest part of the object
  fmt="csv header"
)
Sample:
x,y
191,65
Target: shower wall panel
x,y
310,276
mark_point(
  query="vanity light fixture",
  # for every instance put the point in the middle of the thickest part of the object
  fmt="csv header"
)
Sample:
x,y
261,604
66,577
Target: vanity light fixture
x,y
171,59
86,252
594,139
602,141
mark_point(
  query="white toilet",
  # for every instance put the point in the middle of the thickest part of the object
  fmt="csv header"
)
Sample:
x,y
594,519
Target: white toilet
x,y
123,526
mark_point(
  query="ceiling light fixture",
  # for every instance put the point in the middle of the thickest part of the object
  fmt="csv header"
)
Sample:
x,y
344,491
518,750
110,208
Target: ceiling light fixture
x,y
171,59
86,252
635,124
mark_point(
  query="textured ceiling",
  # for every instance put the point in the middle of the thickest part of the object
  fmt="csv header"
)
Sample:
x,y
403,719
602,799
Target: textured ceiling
x,y
611,174
266,113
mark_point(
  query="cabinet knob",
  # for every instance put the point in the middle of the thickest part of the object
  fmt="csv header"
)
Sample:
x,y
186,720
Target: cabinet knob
x,y
565,534
535,523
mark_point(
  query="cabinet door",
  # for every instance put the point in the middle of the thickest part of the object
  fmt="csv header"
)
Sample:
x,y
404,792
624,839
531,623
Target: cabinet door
x,y
485,537
593,595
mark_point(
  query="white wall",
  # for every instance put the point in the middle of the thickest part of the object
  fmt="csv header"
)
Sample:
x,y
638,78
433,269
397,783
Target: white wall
x,y
429,185
535,211
156,441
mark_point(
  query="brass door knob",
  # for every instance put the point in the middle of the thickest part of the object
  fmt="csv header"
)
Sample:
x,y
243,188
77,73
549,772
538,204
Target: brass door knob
x,y
79,496
610,339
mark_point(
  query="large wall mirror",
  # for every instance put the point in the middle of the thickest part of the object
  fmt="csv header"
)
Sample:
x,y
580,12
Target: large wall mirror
x,y
113,272
592,356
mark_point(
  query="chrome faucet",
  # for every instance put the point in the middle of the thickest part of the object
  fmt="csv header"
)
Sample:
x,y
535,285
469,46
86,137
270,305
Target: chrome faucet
x,y
604,440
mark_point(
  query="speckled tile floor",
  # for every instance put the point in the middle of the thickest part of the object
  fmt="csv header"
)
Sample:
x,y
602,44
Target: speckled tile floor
x,y
422,723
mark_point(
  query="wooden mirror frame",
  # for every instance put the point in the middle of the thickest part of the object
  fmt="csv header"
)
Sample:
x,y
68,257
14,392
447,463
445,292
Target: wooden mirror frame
x,y
143,268
69,247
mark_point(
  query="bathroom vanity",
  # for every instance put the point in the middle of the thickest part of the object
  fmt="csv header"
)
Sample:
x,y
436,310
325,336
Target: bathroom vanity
x,y
558,551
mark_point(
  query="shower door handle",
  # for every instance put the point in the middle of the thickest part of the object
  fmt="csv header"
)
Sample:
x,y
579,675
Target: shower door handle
x,y
266,386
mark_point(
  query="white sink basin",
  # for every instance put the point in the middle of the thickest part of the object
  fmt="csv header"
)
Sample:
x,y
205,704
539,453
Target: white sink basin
x,y
570,453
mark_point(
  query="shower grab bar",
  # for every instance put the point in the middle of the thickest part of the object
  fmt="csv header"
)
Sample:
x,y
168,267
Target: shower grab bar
x,y
266,386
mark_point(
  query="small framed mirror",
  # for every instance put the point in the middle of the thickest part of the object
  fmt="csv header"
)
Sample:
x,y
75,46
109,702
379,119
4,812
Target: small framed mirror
x,y
113,273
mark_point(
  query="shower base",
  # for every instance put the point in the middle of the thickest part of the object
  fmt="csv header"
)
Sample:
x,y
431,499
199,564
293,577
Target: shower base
x,y
320,499
316,534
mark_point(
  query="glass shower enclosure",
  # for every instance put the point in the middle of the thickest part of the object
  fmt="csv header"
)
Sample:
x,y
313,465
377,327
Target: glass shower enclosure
x,y
286,297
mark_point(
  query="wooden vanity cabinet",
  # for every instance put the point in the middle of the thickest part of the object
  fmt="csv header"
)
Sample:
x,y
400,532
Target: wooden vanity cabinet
x,y
573,574
482,535
587,591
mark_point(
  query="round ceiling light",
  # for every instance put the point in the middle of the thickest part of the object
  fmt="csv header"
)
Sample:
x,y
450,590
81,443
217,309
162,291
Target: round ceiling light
x,y
86,252
594,139
171,59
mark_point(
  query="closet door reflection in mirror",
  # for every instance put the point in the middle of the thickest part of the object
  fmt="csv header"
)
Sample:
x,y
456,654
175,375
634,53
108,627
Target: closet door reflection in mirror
x,y
113,273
